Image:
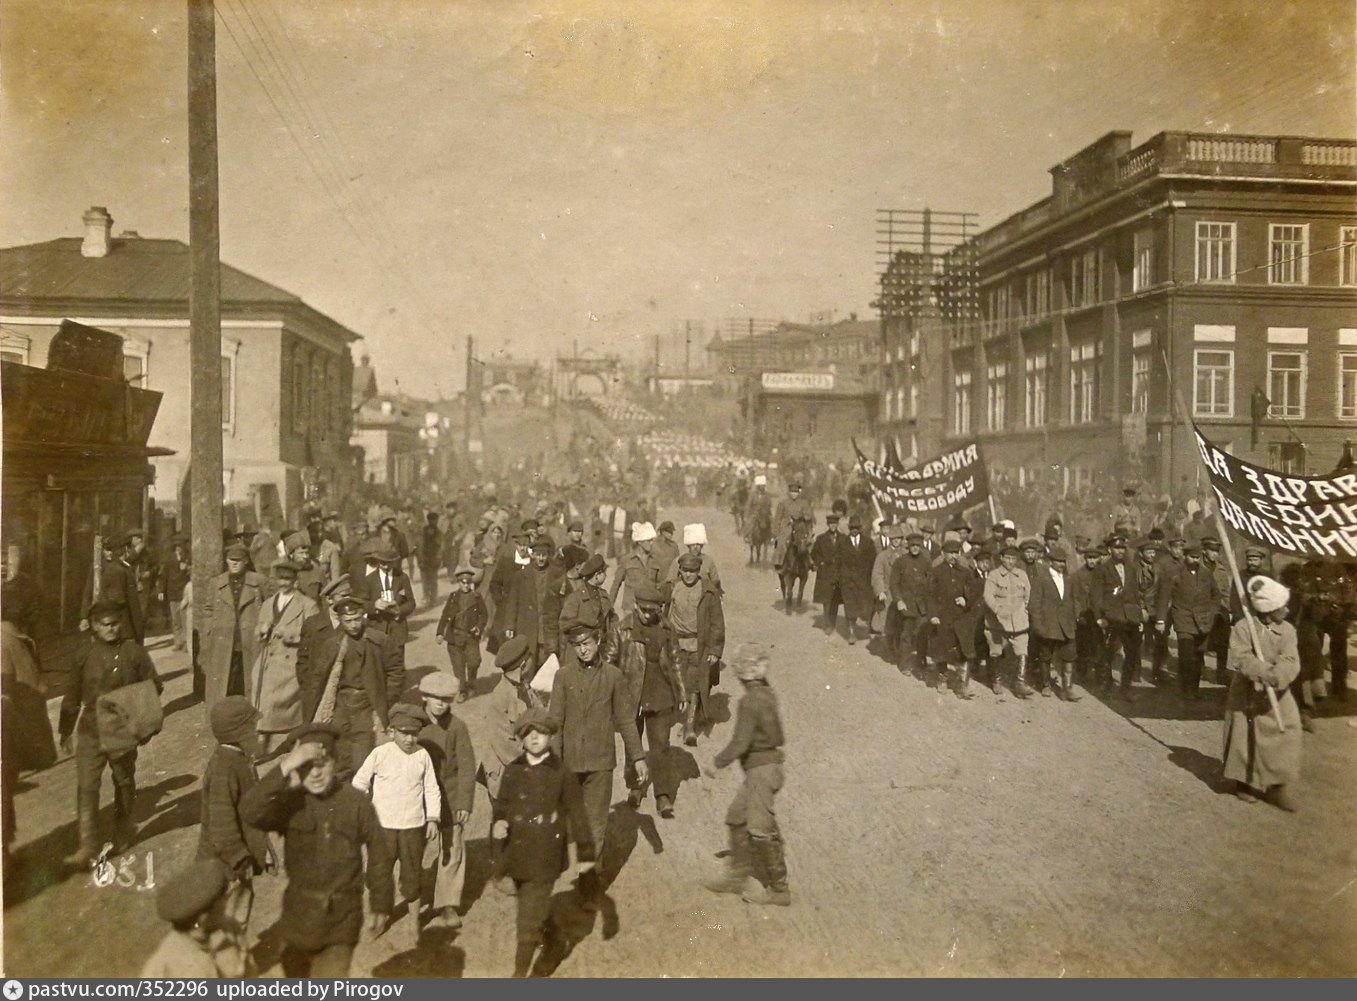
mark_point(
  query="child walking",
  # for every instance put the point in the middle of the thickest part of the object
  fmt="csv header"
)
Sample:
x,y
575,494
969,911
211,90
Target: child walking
x,y
400,778
460,627
448,743
538,798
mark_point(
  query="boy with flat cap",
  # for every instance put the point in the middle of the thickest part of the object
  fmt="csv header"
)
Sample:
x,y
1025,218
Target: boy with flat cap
x,y
460,626
540,803
326,825
109,662
448,743
191,902
506,704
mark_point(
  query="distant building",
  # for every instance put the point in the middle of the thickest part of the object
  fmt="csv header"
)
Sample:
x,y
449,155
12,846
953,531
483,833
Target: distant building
x,y
510,381
850,345
809,412
387,429
1204,265
587,374
286,372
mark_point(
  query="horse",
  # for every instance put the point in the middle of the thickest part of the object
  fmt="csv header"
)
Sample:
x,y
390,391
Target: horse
x,y
758,530
795,565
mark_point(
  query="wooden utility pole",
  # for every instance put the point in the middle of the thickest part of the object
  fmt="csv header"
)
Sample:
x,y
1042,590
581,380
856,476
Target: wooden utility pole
x,y
205,462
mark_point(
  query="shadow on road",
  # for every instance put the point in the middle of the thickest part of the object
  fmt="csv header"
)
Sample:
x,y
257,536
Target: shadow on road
x,y
435,956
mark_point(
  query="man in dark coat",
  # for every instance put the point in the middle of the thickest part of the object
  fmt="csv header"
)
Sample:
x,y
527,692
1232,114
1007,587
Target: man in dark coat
x,y
955,606
326,823
430,549
655,686
105,665
118,586
531,608
1118,602
390,599
827,555
511,560
1190,601
348,677
696,620
909,596
1088,635
855,577
1052,612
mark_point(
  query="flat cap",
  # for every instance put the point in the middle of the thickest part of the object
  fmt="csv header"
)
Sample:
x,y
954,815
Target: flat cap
x,y
347,604
232,719
340,586
576,526
512,652
1032,544
237,551
690,561
464,570
440,685
1256,551
1210,542
1054,554
543,545
1192,550
577,631
832,518
530,525
535,718
407,718
298,539
666,526
648,593
914,537
1007,547
324,734
190,891
952,546
592,566
105,607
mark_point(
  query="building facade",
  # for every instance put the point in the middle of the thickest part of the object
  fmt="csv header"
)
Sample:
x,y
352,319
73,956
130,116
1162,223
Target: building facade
x,y
807,413
850,345
1218,270
286,371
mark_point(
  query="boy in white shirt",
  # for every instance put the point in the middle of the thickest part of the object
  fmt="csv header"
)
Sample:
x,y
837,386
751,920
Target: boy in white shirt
x,y
400,778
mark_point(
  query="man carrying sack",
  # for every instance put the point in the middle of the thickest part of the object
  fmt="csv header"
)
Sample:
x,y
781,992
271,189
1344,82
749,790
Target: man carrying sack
x,y
112,706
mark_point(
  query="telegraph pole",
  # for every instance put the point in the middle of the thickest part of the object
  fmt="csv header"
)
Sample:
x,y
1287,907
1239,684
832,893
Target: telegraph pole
x,y
205,463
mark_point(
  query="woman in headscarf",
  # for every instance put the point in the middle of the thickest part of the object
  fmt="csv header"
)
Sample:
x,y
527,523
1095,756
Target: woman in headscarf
x,y
1263,735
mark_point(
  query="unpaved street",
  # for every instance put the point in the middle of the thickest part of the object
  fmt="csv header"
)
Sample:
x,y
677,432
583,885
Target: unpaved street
x,y
925,837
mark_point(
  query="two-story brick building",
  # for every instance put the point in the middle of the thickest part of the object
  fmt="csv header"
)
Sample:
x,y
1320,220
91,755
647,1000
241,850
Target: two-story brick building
x,y
1201,266
286,370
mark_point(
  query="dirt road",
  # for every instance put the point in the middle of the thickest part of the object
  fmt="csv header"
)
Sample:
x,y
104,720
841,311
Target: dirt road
x,y
925,837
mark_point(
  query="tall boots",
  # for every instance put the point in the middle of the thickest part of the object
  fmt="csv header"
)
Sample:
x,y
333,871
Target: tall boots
x,y
770,871
963,680
1020,686
87,819
1067,691
690,723
738,864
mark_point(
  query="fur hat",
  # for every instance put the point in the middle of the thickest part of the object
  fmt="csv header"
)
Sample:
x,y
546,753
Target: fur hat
x,y
642,531
1266,595
695,535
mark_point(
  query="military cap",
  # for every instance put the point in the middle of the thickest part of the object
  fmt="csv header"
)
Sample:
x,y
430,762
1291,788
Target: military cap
x,y
690,561
348,603
535,718
408,718
1007,547
530,525
104,607
340,583
648,593
577,631
592,566
1115,540
519,538
1210,542
190,891
1050,533
952,546
543,546
464,570
576,526
512,653
1177,540
324,734
666,526
1255,551
832,518
296,540
232,718
440,685
914,537
1192,550
284,568
237,551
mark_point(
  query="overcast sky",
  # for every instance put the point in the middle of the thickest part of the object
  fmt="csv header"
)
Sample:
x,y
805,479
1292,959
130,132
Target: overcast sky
x,y
540,173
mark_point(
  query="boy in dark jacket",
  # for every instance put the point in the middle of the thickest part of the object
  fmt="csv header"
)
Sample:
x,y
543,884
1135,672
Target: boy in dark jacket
x,y
241,850
460,627
755,841
448,742
539,797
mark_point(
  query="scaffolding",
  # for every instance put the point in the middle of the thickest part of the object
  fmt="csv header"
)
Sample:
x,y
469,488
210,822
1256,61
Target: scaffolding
x,y
926,263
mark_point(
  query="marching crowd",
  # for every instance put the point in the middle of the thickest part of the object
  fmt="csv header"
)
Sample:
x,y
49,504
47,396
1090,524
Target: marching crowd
x,y
336,770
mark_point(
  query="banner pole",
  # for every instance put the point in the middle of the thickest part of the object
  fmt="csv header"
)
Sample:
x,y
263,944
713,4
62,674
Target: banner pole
x,y
1235,575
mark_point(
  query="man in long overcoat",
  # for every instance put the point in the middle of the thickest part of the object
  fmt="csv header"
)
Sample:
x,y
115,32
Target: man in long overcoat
x,y
1190,599
1052,611
229,630
827,555
855,577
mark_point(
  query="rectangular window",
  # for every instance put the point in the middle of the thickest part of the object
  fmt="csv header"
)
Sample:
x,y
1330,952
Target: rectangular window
x,y
1043,291
996,396
300,417
1037,373
1213,383
961,402
1288,249
1089,265
1347,385
134,370
14,348
1347,255
1142,268
1287,457
1084,382
1140,382
1286,384
913,399
1215,251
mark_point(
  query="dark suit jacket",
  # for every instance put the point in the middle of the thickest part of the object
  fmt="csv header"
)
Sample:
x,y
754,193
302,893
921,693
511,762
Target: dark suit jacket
x,y
1052,617
1192,598
525,610
118,584
391,620
1114,600
383,673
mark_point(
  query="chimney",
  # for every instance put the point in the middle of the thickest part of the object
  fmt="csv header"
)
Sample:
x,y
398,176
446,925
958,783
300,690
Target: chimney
x,y
98,226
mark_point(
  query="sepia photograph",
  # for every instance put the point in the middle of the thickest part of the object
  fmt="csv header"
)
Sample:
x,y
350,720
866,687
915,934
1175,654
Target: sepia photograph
x,y
707,489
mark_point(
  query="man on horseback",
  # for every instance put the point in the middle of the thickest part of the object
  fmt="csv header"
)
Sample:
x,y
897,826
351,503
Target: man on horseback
x,y
758,519
789,509
794,561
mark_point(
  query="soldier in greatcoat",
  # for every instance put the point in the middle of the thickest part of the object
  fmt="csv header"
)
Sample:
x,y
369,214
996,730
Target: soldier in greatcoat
x,y
955,602
229,630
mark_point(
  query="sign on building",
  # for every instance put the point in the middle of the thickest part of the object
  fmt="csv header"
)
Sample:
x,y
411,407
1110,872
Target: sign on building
x,y
798,380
